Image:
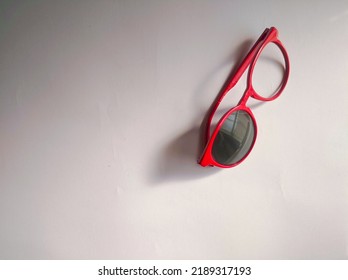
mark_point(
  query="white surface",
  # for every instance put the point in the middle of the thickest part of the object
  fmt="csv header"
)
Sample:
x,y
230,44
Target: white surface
x,y
100,104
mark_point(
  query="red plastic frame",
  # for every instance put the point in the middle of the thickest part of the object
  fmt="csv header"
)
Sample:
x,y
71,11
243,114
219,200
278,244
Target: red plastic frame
x,y
270,35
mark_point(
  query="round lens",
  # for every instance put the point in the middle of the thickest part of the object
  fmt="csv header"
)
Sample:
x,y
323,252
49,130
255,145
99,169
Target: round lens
x,y
269,71
234,139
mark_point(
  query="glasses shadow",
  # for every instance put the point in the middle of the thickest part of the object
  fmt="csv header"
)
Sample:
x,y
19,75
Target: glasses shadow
x,y
178,160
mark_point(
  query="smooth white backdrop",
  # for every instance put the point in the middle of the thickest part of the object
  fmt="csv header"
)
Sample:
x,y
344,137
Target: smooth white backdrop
x,y
100,108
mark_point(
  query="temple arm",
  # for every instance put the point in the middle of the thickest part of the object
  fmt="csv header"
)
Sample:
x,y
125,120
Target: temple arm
x,y
235,78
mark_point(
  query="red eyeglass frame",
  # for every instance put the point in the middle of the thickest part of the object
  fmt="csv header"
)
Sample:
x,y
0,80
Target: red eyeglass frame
x,y
270,35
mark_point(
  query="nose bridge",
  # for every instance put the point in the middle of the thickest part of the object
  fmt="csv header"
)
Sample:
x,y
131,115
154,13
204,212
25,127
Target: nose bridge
x,y
249,92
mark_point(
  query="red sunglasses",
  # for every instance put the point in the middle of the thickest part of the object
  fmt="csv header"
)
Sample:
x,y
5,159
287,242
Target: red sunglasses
x,y
235,133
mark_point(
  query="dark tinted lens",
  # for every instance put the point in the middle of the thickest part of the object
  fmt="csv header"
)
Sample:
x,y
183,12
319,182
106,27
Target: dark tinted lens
x,y
234,138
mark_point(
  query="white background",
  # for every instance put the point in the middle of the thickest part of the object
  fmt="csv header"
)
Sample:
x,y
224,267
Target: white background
x,y
100,107
90,269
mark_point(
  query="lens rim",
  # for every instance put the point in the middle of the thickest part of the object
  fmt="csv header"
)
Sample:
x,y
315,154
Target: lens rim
x,y
281,60
254,93
207,158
